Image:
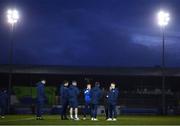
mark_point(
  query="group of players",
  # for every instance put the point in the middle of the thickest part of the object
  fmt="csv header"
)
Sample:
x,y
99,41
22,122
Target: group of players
x,y
92,96
68,97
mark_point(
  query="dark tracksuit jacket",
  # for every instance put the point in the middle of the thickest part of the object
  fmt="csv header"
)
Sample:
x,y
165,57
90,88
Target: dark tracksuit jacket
x,y
3,102
63,94
40,98
112,98
73,93
96,95
64,100
105,102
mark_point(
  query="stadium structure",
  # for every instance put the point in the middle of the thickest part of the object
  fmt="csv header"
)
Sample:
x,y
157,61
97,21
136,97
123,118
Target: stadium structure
x,y
140,87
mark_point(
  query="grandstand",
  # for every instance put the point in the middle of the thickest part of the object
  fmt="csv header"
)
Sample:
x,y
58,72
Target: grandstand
x,y
140,88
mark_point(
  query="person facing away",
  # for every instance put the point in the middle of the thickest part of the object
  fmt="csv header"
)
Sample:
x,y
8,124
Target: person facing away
x,y
73,100
96,95
3,102
64,99
105,92
41,97
87,99
112,98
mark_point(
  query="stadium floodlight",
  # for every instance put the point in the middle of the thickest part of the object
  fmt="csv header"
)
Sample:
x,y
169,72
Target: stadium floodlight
x,y
12,16
12,19
163,18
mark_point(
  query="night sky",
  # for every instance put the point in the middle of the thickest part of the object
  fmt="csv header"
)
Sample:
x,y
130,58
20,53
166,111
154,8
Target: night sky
x,y
103,33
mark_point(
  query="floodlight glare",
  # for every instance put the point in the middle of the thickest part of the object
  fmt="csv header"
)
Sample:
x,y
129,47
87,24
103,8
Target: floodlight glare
x,y
12,16
163,18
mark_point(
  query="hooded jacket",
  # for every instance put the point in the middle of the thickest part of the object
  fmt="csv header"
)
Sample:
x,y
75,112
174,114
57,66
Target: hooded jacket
x,y
40,91
96,95
73,93
3,98
63,93
112,96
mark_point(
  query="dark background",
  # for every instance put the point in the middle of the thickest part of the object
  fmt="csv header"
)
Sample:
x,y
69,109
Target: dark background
x,y
90,33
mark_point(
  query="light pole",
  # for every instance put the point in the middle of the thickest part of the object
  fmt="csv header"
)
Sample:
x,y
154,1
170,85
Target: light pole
x,y
163,20
12,19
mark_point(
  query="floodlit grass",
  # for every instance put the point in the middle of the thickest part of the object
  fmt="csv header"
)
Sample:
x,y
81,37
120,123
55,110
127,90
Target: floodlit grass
x,y
122,120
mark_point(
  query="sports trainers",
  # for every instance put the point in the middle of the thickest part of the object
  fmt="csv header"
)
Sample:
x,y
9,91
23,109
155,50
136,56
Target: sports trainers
x,y
2,117
114,119
41,118
71,117
109,119
95,119
92,119
76,119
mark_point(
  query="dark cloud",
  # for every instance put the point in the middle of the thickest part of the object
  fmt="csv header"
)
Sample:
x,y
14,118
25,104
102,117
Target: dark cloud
x,y
89,33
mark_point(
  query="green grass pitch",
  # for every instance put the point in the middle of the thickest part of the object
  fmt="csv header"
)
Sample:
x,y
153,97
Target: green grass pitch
x,y
121,120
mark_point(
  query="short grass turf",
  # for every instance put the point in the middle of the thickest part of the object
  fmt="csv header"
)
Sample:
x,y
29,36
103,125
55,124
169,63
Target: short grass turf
x,y
121,120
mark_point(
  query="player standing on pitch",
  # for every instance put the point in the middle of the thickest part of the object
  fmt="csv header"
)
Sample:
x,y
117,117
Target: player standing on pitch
x,y
105,92
73,100
87,99
112,98
95,94
41,97
3,102
64,99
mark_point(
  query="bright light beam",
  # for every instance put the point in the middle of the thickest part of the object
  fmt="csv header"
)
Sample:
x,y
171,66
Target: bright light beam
x,y
163,18
12,16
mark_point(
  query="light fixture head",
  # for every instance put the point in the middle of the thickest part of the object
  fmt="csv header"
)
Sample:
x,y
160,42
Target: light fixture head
x,y
12,16
163,18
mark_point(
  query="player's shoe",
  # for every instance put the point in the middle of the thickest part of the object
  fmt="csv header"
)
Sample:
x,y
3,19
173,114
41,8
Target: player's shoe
x,y
37,118
109,119
71,117
92,119
41,118
84,118
114,119
95,119
77,119
2,117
